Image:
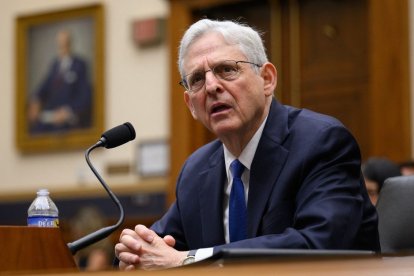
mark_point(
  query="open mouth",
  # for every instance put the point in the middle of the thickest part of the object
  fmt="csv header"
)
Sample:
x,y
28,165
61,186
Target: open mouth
x,y
219,108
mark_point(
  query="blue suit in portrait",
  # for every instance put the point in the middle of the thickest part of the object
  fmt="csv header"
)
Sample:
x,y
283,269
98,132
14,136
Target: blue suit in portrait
x,y
70,88
306,190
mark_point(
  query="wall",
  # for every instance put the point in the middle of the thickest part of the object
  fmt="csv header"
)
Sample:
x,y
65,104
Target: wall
x,y
135,87
411,34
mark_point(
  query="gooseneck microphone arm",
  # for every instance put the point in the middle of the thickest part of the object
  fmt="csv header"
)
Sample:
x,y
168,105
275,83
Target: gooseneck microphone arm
x,y
103,232
110,139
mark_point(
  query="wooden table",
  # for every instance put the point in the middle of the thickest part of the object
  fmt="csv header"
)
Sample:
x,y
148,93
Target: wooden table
x,y
403,265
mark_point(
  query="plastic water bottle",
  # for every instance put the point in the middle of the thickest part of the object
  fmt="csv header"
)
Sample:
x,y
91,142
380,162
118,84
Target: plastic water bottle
x,y
43,211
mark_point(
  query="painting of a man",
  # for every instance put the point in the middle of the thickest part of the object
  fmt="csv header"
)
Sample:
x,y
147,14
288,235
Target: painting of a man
x,y
63,100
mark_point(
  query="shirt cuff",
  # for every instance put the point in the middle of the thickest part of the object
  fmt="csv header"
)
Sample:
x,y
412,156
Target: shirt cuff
x,y
203,253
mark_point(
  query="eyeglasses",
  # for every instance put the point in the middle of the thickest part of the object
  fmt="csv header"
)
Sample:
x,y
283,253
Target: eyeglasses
x,y
226,70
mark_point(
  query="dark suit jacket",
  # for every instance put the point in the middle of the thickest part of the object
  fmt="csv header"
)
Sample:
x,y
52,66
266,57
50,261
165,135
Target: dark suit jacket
x,y
71,89
306,190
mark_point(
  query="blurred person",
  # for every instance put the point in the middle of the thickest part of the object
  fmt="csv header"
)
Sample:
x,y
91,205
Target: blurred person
x,y
407,167
276,177
63,100
97,256
376,170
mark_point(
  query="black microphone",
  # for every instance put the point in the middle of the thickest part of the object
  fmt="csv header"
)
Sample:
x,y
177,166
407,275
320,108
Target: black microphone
x,y
114,137
118,135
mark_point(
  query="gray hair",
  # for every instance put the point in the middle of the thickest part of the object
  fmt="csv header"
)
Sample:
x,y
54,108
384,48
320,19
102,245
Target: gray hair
x,y
248,39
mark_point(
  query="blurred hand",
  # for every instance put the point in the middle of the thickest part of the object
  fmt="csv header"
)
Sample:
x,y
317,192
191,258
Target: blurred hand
x,y
62,115
33,111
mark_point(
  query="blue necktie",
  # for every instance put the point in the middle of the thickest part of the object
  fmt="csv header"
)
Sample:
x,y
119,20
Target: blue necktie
x,y
237,204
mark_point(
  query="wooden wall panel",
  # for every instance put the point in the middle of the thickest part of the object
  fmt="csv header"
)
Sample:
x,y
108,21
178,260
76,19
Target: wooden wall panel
x,y
369,91
389,108
333,62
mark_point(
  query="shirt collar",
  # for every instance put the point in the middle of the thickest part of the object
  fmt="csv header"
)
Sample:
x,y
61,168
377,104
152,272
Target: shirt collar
x,y
246,156
65,63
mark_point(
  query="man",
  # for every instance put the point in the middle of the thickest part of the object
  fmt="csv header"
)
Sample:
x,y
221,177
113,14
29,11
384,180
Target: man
x,y
407,167
375,171
301,180
63,100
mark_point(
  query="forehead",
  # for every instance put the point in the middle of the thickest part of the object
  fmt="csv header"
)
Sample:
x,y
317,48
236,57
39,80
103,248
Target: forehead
x,y
210,47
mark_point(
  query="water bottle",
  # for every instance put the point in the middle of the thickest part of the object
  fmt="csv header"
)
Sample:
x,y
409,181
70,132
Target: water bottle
x,y
43,211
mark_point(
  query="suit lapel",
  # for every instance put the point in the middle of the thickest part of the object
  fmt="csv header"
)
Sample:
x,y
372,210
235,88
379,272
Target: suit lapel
x,y
267,164
265,170
211,200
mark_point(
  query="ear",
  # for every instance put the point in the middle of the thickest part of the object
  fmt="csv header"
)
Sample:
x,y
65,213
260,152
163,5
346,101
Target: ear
x,y
189,104
269,75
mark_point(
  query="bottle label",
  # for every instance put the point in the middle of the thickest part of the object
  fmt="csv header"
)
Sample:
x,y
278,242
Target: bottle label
x,y
43,221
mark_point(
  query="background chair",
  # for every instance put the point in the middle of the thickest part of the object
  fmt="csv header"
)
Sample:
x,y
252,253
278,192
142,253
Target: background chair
x,y
396,215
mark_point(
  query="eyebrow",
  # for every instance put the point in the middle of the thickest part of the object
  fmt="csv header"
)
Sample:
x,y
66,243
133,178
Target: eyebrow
x,y
210,66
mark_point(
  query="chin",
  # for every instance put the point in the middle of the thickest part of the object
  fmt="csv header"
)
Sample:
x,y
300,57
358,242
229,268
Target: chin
x,y
222,130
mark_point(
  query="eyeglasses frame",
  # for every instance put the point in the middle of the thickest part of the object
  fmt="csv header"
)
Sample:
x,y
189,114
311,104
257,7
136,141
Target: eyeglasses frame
x,y
183,81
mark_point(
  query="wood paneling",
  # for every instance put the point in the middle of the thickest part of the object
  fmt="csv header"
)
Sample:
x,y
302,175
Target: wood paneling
x,y
345,58
334,71
33,248
389,109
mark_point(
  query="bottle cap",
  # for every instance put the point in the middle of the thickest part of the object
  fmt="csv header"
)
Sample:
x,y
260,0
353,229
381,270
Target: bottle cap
x,y
43,192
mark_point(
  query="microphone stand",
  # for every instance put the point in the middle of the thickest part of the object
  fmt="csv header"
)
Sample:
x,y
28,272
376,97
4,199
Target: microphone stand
x,y
103,232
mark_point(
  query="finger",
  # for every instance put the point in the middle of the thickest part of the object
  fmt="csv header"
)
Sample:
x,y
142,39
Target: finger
x,y
146,234
128,232
169,240
122,265
133,244
129,258
130,267
125,266
119,248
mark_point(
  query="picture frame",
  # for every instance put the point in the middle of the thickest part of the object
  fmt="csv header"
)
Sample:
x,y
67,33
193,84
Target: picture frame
x,y
153,158
59,79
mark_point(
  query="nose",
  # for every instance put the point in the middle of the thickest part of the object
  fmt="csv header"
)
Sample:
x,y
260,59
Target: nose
x,y
212,83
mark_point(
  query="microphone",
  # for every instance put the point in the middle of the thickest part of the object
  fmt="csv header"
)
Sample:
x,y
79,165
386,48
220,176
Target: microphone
x,y
112,138
118,135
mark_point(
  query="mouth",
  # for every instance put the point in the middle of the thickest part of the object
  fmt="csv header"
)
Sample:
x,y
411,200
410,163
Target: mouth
x,y
219,107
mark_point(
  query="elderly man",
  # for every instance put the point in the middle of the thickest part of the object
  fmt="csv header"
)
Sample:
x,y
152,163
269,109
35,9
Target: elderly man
x,y
63,101
276,177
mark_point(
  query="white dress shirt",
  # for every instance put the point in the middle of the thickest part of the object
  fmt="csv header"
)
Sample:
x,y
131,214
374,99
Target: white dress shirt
x,y
246,158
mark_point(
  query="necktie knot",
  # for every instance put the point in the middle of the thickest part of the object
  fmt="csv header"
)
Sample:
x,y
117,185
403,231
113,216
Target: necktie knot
x,y
236,168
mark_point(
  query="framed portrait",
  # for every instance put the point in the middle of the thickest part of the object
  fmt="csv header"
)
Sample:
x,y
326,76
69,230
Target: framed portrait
x,y
153,158
59,79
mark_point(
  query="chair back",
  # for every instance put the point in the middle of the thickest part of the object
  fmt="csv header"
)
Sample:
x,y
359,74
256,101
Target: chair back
x,y
395,208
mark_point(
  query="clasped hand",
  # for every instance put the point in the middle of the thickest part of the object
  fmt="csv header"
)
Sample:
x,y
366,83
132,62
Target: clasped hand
x,y
143,248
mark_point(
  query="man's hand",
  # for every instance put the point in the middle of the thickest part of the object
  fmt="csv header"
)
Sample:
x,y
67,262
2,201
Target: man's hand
x,y
33,111
62,115
143,248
